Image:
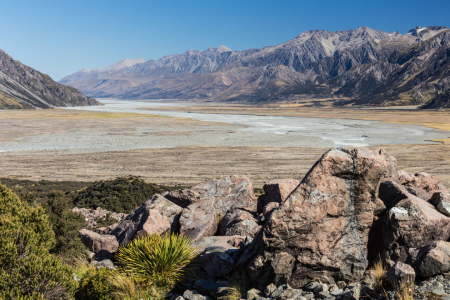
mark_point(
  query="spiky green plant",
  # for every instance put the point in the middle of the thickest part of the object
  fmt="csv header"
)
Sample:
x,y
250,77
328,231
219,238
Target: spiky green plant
x,y
159,259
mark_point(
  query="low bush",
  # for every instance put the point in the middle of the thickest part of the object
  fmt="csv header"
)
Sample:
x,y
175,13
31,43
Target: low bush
x,y
95,284
162,260
27,268
65,225
120,195
34,192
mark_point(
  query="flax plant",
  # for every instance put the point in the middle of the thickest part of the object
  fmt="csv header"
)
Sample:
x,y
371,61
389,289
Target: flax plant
x,y
162,260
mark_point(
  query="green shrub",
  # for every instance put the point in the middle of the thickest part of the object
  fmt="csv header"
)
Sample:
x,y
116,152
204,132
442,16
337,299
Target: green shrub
x,y
34,192
162,260
65,225
121,195
27,267
95,285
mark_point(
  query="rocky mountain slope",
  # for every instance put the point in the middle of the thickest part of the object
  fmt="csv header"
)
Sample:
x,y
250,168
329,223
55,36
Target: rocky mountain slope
x,y
24,87
350,66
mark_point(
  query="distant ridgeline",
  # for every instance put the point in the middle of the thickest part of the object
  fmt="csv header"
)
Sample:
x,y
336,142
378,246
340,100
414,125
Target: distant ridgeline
x,y
24,87
355,67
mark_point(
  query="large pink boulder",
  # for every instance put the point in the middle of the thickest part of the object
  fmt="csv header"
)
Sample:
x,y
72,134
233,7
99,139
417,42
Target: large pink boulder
x,y
199,219
321,230
99,242
183,198
432,259
209,201
229,192
421,184
407,222
156,215
276,190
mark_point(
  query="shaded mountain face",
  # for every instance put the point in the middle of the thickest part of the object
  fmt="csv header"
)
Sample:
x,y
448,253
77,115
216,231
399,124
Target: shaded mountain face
x,y
418,75
317,63
24,87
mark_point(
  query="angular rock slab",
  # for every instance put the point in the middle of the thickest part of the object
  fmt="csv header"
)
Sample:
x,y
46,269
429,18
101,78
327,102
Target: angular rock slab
x,y
441,200
199,219
156,215
409,222
227,242
239,222
99,242
322,228
216,261
229,192
401,275
432,259
276,190
421,184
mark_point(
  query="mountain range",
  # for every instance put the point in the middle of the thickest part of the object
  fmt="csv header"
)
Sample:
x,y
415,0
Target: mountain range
x,y
354,67
24,87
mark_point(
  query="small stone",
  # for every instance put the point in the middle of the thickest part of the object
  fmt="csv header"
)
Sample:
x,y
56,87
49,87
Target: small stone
x,y
333,288
341,284
278,291
253,294
290,294
337,292
308,295
106,263
325,295
194,295
446,276
321,288
269,289
311,286
438,291
401,274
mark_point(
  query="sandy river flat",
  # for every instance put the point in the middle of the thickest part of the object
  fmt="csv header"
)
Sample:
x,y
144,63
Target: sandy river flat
x,y
181,144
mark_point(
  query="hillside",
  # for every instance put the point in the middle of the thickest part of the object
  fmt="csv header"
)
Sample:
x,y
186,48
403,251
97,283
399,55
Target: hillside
x,y
24,87
317,63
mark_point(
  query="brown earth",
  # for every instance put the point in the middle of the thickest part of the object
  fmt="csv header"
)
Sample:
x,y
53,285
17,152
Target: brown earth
x,y
190,165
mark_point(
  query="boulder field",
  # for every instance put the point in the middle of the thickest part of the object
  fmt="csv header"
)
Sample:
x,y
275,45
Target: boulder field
x,y
303,239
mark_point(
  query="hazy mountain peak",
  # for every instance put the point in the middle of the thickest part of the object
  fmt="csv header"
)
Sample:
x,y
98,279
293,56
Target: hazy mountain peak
x,y
223,48
125,63
220,49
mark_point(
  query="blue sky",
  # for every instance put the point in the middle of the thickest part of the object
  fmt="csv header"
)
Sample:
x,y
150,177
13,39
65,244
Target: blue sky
x,y
60,37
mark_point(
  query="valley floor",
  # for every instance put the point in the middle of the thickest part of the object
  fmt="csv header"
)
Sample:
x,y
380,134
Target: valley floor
x,y
191,164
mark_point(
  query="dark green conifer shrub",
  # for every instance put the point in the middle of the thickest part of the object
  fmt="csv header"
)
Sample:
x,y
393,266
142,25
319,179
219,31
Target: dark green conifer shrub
x,y
121,195
26,266
65,225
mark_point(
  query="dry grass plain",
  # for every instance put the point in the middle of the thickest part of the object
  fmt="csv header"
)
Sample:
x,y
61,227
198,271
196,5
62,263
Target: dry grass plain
x,y
189,165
